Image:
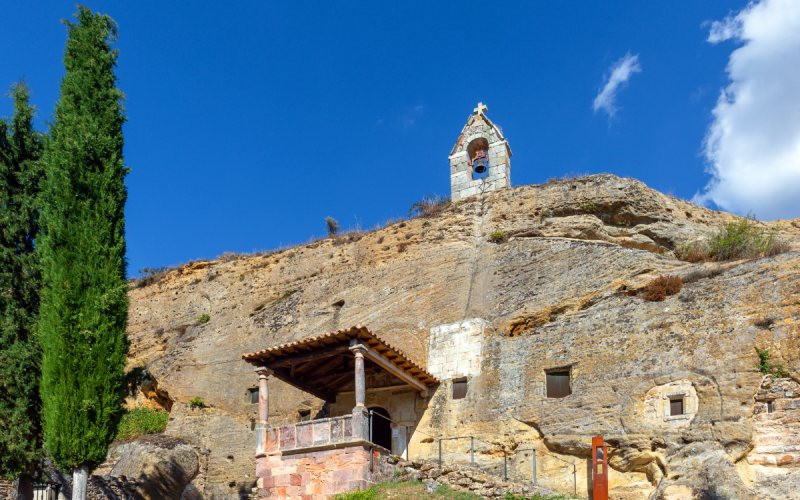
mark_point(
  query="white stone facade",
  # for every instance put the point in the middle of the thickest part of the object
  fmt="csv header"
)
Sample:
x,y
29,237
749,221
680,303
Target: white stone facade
x,y
657,403
462,181
455,350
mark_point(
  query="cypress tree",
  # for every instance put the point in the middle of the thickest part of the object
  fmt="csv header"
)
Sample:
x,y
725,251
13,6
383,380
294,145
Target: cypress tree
x,y
20,181
84,303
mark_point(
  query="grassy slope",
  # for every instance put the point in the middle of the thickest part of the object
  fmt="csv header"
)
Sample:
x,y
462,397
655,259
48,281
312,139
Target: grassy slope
x,y
413,490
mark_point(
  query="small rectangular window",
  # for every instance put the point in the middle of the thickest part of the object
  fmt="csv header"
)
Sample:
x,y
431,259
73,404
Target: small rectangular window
x,y
675,406
770,406
558,383
459,388
305,415
252,394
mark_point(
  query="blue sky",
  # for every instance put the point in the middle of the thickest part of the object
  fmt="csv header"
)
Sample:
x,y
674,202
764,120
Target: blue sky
x,y
249,122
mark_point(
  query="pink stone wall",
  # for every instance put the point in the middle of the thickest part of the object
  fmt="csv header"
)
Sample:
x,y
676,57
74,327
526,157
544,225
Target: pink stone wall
x,y
8,490
314,433
320,474
776,434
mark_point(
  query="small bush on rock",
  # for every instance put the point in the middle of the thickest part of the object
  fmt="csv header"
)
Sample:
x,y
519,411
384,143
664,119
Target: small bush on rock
x,y
150,275
141,421
498,236
743,239
332,225
203,319
197,402
659,288
766,366
693,251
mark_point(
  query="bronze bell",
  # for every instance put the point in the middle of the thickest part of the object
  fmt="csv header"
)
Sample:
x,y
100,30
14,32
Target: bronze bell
x,y
480,165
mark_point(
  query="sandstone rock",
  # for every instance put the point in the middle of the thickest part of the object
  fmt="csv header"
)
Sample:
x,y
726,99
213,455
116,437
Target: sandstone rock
x,y
554,295
464,481
157,466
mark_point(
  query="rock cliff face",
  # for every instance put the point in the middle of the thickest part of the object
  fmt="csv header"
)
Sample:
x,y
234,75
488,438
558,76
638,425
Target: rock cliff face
x,y
555,294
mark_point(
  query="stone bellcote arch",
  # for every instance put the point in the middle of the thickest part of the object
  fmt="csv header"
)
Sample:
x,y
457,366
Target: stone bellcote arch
x,y
479,139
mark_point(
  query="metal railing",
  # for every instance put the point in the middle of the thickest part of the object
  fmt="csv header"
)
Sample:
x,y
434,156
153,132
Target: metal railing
x,y
508,455
46,491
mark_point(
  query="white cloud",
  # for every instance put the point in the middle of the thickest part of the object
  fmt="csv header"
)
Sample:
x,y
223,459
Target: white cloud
x,y
411,115
620,73
753,143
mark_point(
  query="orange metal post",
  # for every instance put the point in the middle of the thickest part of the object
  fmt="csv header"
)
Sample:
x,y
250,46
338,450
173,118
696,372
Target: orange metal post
x,y
599,469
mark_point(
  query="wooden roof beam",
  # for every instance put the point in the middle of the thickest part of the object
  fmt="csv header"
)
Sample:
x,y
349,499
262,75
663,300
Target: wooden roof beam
x,y
314,355
314,391
379,360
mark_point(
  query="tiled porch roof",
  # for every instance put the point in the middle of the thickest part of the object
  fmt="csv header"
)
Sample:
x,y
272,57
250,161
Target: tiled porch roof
x,y
305,355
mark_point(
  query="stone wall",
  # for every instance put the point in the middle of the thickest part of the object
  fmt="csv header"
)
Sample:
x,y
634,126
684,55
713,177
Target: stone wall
x,y
454,350
464,478
773,465
8,490
324,432
321,474
462,182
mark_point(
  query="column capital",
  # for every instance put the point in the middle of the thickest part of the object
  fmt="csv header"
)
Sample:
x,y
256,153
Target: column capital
x,y
263,371
358,350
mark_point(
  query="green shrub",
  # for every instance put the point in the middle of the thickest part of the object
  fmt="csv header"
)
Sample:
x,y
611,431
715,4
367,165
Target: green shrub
x,y
429,206
196,402
416,489
763,361
743,239
140,421
203,319
779,371
369,494
444,491
498,236
766,367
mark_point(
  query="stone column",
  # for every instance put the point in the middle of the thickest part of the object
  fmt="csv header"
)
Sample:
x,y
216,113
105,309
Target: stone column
x,y
360,414
263,409
361,392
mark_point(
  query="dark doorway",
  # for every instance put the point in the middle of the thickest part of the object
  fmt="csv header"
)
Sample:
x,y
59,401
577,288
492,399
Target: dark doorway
x,y
381,427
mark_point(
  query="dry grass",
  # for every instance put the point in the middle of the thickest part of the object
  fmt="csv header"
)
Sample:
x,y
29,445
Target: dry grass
x,y
661,287
150,276
743,239
429,206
